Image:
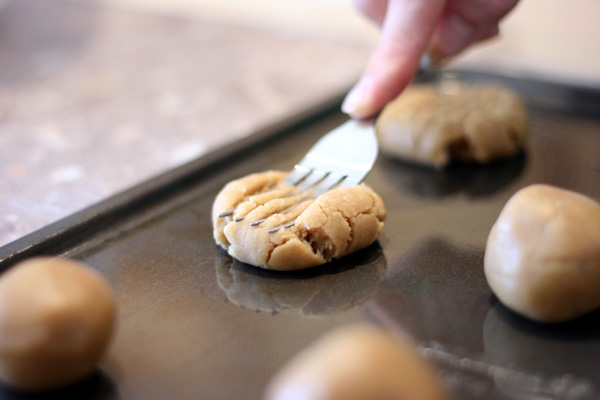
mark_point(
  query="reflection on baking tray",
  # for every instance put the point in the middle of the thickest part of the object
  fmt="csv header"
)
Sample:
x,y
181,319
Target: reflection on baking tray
x,y
474,377
435,291
473,180
97,386
329,289
562,356
523,359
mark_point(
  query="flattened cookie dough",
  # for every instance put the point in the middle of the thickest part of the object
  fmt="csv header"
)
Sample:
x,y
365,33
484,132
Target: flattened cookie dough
x,y
471,123
329,226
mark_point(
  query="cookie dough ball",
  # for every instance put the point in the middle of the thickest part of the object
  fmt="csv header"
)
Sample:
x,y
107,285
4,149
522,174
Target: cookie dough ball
x,y
542,258
56,319
357,363
470,123
334,224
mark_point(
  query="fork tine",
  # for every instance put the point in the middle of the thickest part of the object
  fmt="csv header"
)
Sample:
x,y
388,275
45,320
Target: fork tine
x,y
331,181
285,225
262,198
297,175
286,210
313,179
341,158
226,213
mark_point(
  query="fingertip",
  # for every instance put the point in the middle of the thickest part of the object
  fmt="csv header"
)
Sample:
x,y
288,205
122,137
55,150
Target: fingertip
x,y
349,103
359,102
375,89
406,32
372,9
359,105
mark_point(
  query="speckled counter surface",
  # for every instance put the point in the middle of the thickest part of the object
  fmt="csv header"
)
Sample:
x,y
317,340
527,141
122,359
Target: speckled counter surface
x,y
95,99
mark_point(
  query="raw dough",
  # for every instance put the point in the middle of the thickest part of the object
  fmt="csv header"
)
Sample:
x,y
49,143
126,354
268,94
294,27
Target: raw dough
x,y
336,223
56,319
359,362
470,123
542,258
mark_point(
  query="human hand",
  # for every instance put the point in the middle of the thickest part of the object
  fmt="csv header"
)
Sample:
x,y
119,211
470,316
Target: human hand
x,y
443,28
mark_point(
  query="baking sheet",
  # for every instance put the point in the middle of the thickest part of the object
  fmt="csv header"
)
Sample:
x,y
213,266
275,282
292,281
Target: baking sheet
x,y
194,323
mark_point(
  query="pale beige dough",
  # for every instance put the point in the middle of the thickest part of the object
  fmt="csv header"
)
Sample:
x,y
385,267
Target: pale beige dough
x,y
330,226
542,257
470,123
358,362
56,319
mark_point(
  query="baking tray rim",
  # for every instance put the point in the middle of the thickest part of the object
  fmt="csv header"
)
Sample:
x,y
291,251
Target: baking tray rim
x,y
60,236
65,233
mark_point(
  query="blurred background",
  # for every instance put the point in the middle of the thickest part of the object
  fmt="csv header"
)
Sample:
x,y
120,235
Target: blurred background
x,y
97,96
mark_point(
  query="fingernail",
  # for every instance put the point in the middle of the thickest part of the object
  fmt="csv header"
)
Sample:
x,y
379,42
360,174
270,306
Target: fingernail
x,y
457,34
357,102
352,98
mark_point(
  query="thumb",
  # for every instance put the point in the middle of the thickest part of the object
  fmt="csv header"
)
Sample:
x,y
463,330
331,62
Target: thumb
x,y
405,34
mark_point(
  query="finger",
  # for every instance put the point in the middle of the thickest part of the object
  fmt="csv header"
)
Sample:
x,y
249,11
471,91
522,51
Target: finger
x,y
372,9
487,33
482,12
406,31
465,22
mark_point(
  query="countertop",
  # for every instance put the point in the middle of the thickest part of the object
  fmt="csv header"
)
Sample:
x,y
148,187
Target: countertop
x,y
94,99
98,96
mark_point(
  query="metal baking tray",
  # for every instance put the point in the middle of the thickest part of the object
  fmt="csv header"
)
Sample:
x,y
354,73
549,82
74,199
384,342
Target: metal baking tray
x,y
194,323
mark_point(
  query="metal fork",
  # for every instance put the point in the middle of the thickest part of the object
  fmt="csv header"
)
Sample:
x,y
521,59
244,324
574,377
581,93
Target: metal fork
x,y
343,157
